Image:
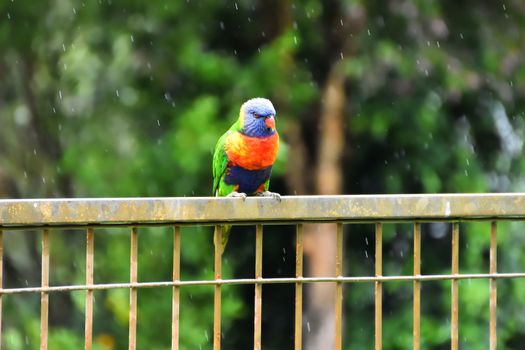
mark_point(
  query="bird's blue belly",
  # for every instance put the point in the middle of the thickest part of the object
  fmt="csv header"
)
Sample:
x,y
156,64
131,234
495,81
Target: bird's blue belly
x,y
247,180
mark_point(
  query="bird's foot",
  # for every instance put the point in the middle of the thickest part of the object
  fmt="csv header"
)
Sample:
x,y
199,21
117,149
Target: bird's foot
x,y
236,194
269,194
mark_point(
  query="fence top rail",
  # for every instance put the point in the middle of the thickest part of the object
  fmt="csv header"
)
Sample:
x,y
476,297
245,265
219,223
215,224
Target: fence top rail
x,y
209,210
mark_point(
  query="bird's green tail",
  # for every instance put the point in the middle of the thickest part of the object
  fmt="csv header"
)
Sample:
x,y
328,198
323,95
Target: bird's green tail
x,y
225,235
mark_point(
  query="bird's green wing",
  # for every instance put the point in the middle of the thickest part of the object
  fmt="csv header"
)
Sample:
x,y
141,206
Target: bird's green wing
x,y
220,160
267,184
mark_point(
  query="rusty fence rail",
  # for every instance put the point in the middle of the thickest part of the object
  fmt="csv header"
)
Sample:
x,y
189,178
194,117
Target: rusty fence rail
x,y
92,214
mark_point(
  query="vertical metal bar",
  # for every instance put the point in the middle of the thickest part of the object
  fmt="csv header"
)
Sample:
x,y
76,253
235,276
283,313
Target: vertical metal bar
x,y
257,318
1,279
133,277
217,293
44,296
298,287
90,249
493,286
417,287
339,288
454,288
175,299
379,288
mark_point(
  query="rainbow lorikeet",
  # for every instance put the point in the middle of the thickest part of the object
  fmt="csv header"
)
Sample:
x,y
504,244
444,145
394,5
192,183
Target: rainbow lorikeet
x,y
244,155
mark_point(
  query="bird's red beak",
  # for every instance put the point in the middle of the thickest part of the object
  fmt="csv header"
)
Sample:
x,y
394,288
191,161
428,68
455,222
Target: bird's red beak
x,y
270,122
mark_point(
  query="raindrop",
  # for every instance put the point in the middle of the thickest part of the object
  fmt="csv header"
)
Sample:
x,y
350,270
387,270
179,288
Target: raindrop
x,y
235,52
221,24
284,250
117,93
426,72
401,254
437,44
60,94
504,7
342,57
341,21
438,230
65,66
131,38
308,326
295,40
34,151
511,83
468,163
366,240
369,33
74,11
366,254
43,180
158,122
461,35
8,15
206,335
25,174
466,172
54,110
63,47
236,7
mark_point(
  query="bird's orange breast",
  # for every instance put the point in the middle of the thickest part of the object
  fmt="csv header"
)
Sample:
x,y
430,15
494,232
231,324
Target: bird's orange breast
x,y
252,153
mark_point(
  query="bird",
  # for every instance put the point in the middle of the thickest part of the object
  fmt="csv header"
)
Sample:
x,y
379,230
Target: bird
x,y
244,156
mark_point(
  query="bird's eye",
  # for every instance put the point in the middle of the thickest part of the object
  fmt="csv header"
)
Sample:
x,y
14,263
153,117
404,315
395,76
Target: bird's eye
x,y
256,115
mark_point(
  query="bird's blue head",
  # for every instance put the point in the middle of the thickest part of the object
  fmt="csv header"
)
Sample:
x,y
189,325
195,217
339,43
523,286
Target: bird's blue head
x,y
257,117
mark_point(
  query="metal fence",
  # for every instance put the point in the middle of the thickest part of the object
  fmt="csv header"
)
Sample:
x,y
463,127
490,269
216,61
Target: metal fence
x,y
92,214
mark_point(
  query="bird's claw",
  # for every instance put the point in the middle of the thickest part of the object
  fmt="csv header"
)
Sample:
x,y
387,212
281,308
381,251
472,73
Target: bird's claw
x,y
236,194
269,194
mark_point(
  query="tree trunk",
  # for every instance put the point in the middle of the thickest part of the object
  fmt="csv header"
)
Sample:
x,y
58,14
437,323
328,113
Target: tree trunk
x,y
320,239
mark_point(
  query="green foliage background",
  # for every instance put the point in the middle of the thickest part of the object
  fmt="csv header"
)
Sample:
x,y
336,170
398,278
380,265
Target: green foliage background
x,y
127,98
